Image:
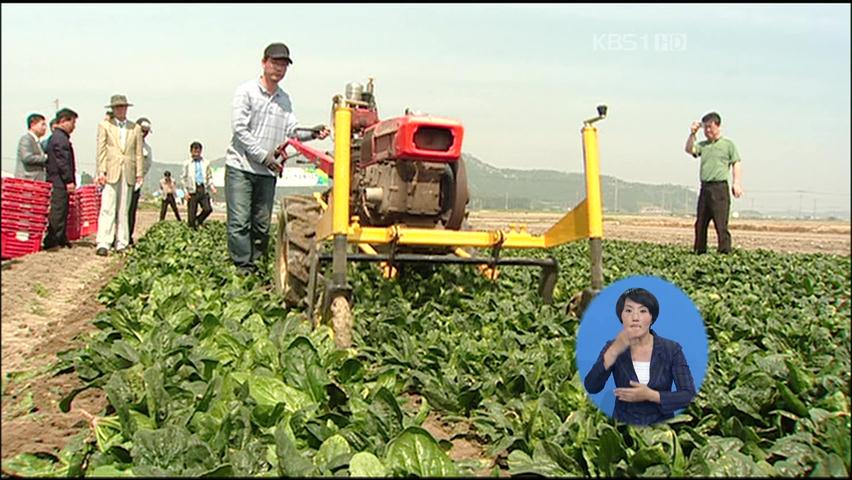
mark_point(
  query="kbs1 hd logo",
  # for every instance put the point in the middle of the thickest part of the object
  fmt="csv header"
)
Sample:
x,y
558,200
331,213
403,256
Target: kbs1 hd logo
x,y
639,42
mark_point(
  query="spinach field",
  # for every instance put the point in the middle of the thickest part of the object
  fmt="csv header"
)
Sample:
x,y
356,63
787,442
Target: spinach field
x,y
207,374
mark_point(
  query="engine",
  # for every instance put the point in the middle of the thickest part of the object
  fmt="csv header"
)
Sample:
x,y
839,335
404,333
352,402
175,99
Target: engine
x,y
406,170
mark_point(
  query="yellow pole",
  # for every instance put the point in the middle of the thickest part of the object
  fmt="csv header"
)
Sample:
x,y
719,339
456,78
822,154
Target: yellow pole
x,y
340,189
593,181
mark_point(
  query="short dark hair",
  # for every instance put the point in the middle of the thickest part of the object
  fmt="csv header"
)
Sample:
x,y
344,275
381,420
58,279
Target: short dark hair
x,y
33,118
712,117
642,297
65,114
195,145
167,173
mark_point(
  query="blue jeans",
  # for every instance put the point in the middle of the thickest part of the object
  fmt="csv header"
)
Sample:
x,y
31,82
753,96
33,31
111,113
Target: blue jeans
x,y
249,198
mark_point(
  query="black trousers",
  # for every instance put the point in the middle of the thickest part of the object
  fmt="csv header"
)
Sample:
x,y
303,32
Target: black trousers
x,y
714,202
131,212
199,198
169,200
56,218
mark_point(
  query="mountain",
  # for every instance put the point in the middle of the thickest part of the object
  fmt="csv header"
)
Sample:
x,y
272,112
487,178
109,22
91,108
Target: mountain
x,y
551,190
495,188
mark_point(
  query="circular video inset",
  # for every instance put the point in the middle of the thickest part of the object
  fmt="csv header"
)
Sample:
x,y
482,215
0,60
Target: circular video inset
x,y
642,350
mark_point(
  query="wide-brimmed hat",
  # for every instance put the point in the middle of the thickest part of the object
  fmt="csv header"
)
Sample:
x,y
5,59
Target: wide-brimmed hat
x,y
118,101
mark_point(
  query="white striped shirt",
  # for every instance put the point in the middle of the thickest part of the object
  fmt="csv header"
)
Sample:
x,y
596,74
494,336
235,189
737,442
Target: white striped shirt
x,y
643,371
259,122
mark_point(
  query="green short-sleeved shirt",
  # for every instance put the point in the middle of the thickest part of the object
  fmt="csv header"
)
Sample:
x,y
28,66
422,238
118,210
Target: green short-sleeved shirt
x,y
716,158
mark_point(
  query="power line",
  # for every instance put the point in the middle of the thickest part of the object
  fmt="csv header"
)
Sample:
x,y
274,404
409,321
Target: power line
x,y
788,192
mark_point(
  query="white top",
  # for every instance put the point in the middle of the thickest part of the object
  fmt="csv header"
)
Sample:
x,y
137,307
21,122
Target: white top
x,y
259,122
147,158
643,371
122,130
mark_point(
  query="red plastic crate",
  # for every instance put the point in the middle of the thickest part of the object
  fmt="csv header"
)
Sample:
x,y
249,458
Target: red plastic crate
x,y
23,196
16,216
88,228
35,211
72,232
21,207
36,228
88,189
72,221
25,192
19,243
24,206
25,185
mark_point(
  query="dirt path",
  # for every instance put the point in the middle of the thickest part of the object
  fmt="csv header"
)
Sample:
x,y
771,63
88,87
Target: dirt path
x,y
790,236
49,299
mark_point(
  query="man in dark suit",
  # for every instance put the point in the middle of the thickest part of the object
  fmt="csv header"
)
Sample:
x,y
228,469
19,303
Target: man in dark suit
x,y
31,157
61,172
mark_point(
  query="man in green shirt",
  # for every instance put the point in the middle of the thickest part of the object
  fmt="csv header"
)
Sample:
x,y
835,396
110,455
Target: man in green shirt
x,y
718,155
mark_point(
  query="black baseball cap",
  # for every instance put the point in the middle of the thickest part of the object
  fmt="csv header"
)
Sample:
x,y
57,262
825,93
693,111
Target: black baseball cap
x,y
278,50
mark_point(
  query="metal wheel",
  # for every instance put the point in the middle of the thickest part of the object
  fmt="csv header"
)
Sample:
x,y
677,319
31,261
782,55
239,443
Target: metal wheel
x,y
296,240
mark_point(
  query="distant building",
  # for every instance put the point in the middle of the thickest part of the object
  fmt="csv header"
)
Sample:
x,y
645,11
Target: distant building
x,y
654,210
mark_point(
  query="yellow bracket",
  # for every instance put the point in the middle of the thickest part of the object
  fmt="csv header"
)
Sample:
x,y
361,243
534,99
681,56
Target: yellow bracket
x,y
484,269
388,271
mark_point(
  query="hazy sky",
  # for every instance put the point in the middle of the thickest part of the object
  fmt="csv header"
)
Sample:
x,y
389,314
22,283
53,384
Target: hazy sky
x,y
522,78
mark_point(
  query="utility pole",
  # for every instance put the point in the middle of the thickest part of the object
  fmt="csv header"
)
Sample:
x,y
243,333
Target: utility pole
x,y
55,105
800,204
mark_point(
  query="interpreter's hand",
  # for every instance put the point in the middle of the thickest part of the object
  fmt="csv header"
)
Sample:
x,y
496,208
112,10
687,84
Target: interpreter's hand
x,y
737,190
621,342
270,163
102,179
70,187
325,132
696,126
636,392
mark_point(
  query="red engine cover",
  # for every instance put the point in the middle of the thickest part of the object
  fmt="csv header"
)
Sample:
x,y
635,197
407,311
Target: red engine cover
x,y
432,139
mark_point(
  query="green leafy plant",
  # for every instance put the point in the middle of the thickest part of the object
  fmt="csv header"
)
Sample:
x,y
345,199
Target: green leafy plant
x,y
208,374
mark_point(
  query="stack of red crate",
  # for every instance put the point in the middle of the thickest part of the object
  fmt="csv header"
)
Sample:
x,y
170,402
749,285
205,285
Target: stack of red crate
x,y
83,208
24,205
90,206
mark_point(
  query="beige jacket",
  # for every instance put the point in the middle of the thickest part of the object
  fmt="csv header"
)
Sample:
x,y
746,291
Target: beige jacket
x,y
112,159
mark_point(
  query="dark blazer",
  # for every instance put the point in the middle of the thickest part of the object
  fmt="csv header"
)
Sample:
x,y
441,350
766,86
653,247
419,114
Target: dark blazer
x,y
61,167
668,366
31,159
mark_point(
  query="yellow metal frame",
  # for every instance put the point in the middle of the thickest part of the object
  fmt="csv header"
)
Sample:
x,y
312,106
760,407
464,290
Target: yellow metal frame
x,y
584,221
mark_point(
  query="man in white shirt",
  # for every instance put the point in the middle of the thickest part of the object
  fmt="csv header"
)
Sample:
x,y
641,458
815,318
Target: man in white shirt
x,y
261,119
119,167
